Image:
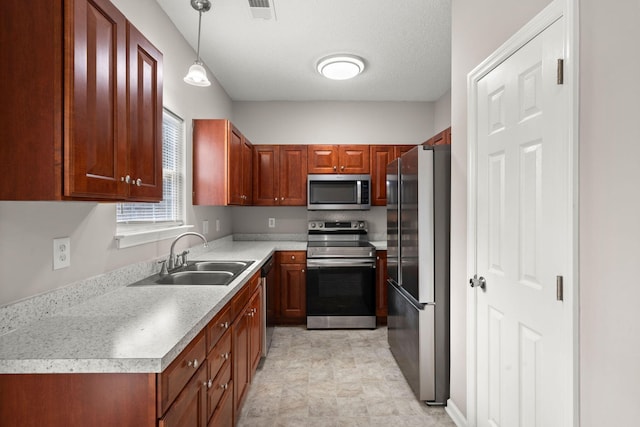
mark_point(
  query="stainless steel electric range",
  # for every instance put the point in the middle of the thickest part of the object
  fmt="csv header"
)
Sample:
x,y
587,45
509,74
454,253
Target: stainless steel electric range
x,y
340,276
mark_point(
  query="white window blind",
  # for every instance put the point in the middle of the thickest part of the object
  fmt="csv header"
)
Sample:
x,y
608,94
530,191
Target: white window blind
x,y
170,210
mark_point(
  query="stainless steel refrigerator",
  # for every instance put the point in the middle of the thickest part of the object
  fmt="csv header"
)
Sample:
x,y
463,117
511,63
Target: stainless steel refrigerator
x,y
418,242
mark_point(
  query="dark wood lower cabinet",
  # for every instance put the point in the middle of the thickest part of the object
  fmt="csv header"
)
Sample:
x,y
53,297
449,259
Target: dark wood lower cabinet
x,y
204,386
292,287
190,407
69,400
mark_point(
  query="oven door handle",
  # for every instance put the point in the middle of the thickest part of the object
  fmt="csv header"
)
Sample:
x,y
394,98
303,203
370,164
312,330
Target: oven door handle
x,y
337,262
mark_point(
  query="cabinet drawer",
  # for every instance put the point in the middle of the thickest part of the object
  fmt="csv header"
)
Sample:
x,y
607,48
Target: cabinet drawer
x,y
292,257
173,379
242,298
218,326
223,415
222,385
219,355
189,407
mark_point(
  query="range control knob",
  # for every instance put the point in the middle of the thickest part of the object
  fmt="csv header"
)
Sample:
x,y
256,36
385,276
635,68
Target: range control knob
x,y
320,225
313,225
361,224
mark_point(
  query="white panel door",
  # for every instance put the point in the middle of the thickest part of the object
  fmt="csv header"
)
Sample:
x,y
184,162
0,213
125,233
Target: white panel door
x,y
522,237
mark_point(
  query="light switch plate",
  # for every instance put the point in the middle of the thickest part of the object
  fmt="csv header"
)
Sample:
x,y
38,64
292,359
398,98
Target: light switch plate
x,y
61,253
272,222
205,226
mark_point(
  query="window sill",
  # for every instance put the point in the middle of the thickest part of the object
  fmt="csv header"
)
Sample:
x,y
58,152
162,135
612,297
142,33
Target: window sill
x,y
127,237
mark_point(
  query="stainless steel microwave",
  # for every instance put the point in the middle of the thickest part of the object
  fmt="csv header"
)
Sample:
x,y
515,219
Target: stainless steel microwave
x,y
338,192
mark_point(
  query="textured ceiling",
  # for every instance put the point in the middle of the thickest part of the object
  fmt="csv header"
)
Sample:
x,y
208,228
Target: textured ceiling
x,y
406,45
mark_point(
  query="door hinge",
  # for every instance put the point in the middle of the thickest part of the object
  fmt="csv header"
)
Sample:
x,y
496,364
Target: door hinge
x,y
560,71
559,288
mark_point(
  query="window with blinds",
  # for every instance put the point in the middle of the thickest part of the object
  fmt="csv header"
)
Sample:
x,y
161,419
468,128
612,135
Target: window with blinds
x,y
170,210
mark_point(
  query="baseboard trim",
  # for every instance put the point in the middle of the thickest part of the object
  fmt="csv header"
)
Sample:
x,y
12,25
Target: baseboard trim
x,y
455,414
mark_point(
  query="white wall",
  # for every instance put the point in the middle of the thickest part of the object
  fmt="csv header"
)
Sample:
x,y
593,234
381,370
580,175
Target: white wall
x,y
335,122
478,28
27,228
609,213
609,197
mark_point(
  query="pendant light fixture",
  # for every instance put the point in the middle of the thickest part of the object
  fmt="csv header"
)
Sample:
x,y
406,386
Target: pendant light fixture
x,y
197,75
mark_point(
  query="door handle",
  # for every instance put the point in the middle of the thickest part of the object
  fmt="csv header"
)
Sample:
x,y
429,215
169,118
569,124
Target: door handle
x,y
479,282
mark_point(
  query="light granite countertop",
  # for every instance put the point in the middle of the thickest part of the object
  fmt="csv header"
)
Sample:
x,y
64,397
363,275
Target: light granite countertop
x,y
132,329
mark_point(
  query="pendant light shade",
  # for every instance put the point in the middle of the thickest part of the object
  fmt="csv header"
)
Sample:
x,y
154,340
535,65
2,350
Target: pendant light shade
x,y
197,75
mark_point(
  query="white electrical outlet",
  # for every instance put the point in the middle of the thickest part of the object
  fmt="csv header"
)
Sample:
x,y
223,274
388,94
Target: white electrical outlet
x,y
272,222
205,226
61,253
217,225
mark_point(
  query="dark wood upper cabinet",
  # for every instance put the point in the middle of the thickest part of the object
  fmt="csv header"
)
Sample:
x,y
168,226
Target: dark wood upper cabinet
x,y
380,156
222,158
350,159
145,117
280,175
69,133
441,138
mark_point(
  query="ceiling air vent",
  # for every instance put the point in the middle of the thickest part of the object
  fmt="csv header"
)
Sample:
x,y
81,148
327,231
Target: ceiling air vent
x,y
262,9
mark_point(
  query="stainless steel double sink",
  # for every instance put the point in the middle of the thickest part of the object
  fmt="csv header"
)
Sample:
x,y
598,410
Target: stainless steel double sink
x,y
208,273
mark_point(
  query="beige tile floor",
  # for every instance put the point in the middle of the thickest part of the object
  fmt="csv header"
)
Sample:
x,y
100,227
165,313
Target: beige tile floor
x,y
334,378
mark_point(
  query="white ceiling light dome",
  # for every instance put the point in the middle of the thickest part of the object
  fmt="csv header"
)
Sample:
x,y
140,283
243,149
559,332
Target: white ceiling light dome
x,y
341,66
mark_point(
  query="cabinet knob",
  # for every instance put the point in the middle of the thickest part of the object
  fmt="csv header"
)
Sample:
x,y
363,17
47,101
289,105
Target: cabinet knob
x,y
193,363
126,179
138,182
276,199
225,356
293,257
281,198
303,270
341,167
208,384
335,168
224,325
224,386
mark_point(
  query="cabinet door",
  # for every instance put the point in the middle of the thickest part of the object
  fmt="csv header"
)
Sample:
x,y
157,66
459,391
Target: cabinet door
x,y
354,159
381,286
235,157
293,283
247,160
255,331
95,127
223,416
190,407
265,175
322,159
380,156
145,118
241,372
293,175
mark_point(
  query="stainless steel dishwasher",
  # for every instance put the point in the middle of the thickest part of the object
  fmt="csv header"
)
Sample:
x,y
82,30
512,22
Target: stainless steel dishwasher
x,y
268,274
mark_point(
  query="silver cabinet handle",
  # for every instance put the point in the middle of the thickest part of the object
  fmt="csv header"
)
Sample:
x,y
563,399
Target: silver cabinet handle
x,y
138,182
276,199
224,386
224,325
225,356
341,167
335,167
208,384
293,257
126,179
193,363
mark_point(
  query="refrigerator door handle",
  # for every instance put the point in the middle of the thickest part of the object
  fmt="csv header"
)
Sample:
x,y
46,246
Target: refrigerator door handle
x,y
406,295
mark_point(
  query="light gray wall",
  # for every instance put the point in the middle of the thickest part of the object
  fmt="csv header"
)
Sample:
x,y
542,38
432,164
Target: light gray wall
x,y
609,213
442,113
478,28
27,228
335,122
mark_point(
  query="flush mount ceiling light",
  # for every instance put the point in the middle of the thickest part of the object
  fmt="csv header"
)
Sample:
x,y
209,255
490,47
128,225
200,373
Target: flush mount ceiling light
x,y
341,67
197,75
